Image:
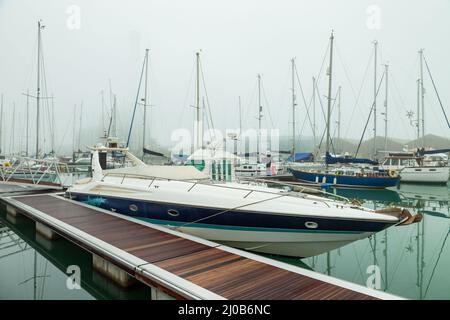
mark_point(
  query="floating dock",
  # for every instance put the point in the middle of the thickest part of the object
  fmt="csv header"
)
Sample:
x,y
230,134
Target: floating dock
x,y
173,264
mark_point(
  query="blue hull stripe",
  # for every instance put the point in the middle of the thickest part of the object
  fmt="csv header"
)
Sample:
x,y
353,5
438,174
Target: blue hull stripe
x,y
230,219
240,228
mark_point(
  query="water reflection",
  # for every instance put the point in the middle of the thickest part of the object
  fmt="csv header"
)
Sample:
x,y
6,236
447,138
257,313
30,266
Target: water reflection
x,y
32,267
412,259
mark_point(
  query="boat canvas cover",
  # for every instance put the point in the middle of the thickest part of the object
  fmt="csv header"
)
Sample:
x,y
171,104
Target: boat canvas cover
x,y
301,156
332,160
160,172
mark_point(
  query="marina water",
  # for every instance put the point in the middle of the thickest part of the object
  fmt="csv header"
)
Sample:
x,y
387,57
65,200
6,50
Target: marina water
x,y
411,260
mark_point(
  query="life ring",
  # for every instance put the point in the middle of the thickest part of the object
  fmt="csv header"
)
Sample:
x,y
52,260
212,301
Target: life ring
x,y
392,173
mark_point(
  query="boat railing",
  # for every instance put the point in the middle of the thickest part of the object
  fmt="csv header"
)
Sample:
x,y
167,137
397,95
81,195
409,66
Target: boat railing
x,y
302,189
201,182
33,171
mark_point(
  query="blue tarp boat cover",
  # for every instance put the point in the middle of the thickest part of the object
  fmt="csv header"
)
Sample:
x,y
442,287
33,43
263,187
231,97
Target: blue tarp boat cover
x,y
301,156
423,152
332,160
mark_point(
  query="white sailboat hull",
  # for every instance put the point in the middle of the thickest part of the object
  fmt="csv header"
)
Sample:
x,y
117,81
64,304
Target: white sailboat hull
x,y
425,174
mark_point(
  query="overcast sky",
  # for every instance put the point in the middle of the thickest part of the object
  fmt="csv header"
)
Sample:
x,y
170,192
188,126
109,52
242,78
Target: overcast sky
x,y
238,39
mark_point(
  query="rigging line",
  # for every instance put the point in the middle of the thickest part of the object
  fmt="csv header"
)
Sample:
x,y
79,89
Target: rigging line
x,y
267,104
252,100
325,118
208,105
230,209
304,120
135,103
435,90
64,136
360,91
186,95
323,63
402,102
46,100
437,261
303,97
345,69
370,114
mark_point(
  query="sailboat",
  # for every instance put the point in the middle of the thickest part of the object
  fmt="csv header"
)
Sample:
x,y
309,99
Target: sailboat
x,y
346,177
420,165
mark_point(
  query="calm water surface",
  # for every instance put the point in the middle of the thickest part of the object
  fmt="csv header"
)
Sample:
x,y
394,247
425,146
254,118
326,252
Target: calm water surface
x,y
413,260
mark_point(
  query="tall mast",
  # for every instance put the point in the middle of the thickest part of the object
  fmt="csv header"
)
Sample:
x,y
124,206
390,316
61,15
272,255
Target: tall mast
x,y
79,129
259,120
73,131
197,105
103,113
375,44
339,119
145,103
38,90
293,108
386,74
422,92
418,111
27,124
240,123
314,112
114,116
13,128
53,126
330,74
1,123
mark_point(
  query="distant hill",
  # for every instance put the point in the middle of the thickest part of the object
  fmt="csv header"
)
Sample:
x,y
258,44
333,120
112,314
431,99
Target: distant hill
x,y
366,149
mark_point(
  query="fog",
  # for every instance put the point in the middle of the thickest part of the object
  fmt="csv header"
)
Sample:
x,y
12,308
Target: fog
x,y
106,44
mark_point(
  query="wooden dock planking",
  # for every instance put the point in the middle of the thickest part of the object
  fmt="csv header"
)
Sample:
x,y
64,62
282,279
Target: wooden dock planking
x,y
224,273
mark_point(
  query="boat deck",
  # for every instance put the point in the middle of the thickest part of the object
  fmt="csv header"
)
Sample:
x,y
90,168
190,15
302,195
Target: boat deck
x,y
182,266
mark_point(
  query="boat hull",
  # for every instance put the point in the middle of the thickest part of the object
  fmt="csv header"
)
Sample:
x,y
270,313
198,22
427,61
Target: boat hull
x,y
436,175
345,181
261,232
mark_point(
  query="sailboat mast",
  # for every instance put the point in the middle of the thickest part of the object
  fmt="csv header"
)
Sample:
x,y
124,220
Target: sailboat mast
x,y
418,111
114,116
1,123
38,90
339,119
386,74
375,44
314,112
240,122
81,122
53,125
259,120
330,74
293,108
422,92
197,104
27,124
145,103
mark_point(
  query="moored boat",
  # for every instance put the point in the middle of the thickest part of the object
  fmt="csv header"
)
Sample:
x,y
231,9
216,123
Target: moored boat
x,y
250,217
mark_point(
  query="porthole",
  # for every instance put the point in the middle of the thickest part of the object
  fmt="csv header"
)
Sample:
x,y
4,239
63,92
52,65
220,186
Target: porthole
x,y
133,207
311,225
173,212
